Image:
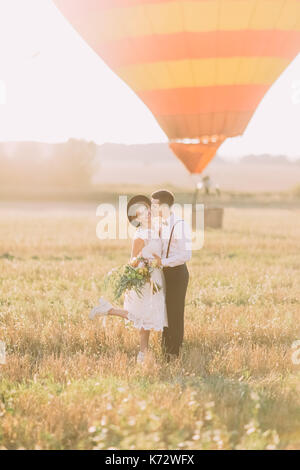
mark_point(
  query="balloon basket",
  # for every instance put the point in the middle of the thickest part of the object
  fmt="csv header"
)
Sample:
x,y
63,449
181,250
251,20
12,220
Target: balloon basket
x,y
213,218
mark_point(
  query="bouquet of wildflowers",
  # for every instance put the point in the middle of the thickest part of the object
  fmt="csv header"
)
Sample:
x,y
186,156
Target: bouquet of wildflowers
x,y
132,276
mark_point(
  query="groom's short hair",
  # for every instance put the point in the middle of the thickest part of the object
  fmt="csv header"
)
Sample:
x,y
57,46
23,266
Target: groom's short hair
x,y
164,197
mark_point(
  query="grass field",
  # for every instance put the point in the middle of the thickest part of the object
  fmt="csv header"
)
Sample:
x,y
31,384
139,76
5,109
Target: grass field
x,y
69,383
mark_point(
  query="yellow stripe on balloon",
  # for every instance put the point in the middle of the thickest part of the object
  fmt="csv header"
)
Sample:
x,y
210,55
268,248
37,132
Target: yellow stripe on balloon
x,y
210,15
203,72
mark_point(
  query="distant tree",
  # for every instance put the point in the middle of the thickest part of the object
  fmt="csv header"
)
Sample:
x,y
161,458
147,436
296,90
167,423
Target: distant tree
x,y
72,163
69,164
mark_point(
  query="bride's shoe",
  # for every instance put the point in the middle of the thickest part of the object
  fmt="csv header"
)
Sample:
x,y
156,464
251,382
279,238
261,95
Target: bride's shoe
x,y
101,309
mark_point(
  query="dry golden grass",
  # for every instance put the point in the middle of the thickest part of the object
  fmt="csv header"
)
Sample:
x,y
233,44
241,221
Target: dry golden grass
x,y
71,384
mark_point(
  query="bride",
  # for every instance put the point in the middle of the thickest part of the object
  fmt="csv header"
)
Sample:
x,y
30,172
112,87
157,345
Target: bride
x,y
146,311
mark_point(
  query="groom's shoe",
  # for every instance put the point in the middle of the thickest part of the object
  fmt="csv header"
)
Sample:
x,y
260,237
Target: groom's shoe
x,y
101,309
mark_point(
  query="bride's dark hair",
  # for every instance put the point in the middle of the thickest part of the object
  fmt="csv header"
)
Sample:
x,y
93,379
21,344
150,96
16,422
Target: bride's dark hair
x,y
132,207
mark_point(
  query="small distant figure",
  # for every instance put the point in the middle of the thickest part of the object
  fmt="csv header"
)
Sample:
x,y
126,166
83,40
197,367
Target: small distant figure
x,y
199,186
207,184
207,187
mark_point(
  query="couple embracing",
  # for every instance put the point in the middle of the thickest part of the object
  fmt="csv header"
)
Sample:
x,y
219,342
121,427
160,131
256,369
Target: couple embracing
x,y
161,237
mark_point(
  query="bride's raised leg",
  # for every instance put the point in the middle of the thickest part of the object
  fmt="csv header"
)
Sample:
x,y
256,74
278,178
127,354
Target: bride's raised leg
x,y
118,312
105,308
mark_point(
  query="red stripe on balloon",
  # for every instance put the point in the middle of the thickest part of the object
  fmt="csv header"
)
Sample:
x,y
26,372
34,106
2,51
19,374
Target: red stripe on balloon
x,y
180,46
204,99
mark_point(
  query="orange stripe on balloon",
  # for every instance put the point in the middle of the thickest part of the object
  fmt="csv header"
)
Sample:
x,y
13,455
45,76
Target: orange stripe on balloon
x,y
195,157
95,22
130,3
192,126
204,99
161,47
90,6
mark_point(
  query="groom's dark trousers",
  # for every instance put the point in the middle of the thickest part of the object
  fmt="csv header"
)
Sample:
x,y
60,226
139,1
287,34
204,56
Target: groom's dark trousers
x,y
177,279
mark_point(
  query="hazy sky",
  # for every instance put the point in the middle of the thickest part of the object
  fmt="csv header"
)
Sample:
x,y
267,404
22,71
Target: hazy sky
x,y
53,87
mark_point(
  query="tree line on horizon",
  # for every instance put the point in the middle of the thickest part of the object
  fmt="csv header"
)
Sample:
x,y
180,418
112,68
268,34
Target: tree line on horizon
x,y
36,165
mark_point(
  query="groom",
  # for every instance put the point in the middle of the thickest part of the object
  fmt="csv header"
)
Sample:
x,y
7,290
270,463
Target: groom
x,y
176,241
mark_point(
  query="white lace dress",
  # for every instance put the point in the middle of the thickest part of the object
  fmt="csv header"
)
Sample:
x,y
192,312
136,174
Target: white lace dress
x,y
148,311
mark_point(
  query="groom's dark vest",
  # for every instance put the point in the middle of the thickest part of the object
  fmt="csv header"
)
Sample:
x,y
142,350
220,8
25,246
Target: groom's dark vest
x,y
177,278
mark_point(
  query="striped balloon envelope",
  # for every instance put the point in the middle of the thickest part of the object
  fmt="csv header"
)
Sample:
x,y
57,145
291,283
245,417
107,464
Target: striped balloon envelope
x,y
201,66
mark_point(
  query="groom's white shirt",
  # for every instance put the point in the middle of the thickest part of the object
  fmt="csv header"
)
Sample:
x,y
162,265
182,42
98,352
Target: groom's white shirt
x,y
180,247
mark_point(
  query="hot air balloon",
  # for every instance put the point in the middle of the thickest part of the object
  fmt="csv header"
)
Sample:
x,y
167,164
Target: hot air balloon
x,y
201,66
